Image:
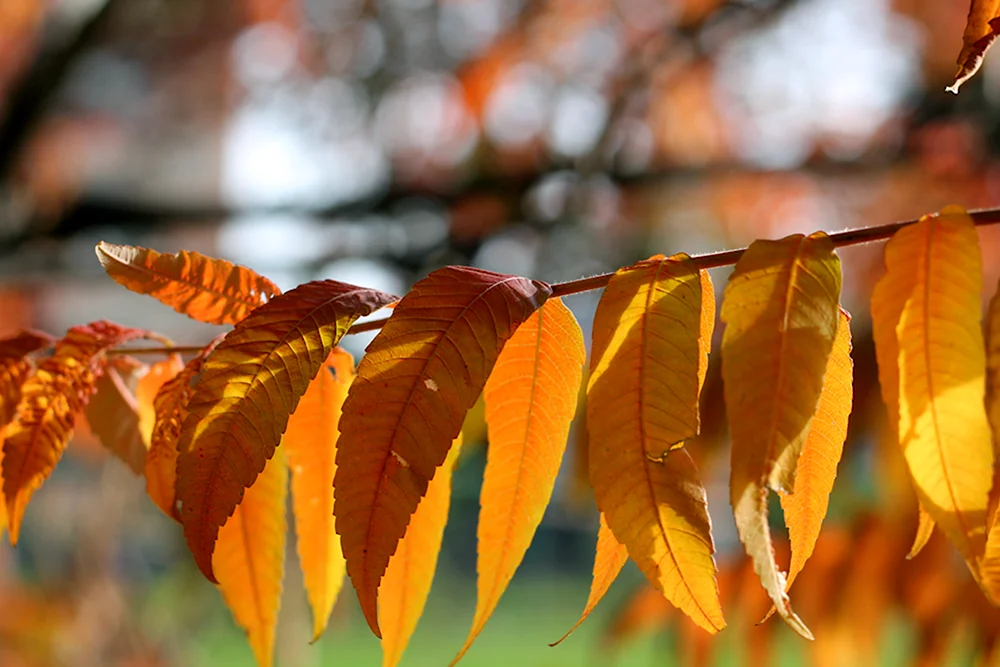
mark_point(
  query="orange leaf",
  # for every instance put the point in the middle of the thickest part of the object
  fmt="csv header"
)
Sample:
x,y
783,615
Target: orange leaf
x,y
170,406
942,426
781,310
652,333
15,368
113,413
50,400
408,578
146,389
609,560
203,288
817,467
415,384
531,397
250,558
249,386
311,445
980,32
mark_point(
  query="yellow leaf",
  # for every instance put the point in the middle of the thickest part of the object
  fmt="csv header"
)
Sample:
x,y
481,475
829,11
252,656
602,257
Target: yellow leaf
x,y
781,311
203,288
146,389
249,558
980,32
817,467
925,528
249,386
531,397
311,445
990,570
609,560
652,333
407,580
933,281
415,385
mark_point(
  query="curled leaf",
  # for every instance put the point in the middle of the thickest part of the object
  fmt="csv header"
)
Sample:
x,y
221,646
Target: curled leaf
x,y
50,400
249,386
203,288
981,31
310,443
415,385
652,333
250,558
781,309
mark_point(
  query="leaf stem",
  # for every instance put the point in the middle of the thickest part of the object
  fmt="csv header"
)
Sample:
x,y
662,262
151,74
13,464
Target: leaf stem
x,y
715,260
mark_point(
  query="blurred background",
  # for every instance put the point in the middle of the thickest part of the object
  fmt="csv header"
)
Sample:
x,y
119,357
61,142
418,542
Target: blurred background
x,y
372,141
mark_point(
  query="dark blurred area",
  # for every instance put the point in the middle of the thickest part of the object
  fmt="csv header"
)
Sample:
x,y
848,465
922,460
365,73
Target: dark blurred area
x,y
373,141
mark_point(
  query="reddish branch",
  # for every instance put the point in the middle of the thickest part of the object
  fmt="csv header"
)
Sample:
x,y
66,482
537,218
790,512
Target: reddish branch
x,y
712,260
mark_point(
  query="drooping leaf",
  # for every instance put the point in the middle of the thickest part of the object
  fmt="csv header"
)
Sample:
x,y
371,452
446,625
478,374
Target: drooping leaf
x,y
250,558
531,397
925,528
15,368
415,384
981,31
933,280
781,309
817,466
148,387
249,386
203,288
652,333
310,443
50,400
113,413
408,578
993,397
609,560
170,406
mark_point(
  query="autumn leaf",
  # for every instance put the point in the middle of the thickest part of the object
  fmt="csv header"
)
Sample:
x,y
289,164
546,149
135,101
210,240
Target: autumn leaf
x,y
250,558
50,400
415,384
15,368
781,312
990,569
146,389
408,578
611,556
170,407
929,298
310,443
249,386
652,333
980,32
925,528
817,466
113,413
531,398
203,288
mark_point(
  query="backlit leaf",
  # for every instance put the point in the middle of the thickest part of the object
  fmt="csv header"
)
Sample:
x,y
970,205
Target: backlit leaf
x,y
249,386
415,384
933,281
531,397
817,467
249,558
15,368
170,406
609,560
50,400
980,32
148,387
310,442
925,528
781,312
203,288
993,398
113,413
652,333
408,578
